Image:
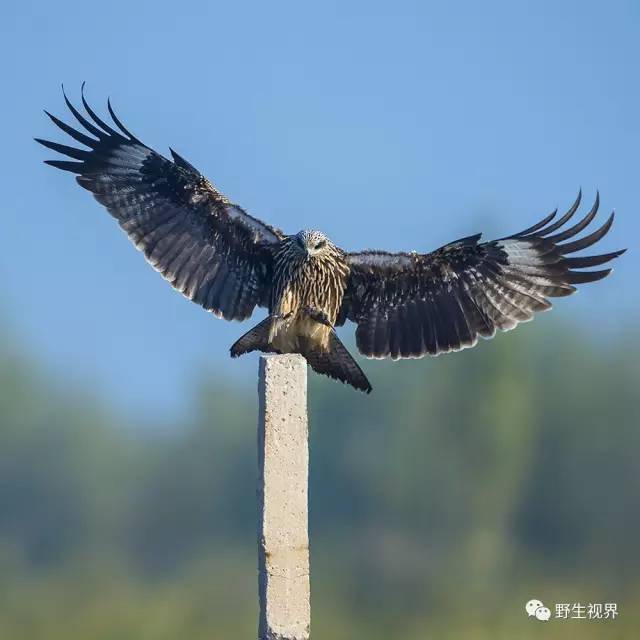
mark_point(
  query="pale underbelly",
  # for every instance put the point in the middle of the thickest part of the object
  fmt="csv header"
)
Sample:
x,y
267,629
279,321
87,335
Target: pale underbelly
x,y
298,334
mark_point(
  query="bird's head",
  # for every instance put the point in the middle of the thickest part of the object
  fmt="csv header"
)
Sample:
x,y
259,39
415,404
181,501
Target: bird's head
x,y
311,243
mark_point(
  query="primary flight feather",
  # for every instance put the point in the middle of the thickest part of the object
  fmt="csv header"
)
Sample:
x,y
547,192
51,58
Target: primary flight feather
x,y
405,305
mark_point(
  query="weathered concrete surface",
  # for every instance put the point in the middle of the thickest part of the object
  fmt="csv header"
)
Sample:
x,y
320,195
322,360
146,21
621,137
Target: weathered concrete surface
x,y
283,463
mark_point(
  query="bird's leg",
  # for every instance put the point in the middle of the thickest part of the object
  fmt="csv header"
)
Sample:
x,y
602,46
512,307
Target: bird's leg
x,y
318,315
278,322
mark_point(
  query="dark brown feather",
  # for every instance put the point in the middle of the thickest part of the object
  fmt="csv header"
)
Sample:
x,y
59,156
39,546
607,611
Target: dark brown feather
x,y
207,248
465,289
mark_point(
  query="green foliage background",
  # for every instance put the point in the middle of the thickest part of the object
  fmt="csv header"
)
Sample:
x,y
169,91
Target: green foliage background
x,y
461,488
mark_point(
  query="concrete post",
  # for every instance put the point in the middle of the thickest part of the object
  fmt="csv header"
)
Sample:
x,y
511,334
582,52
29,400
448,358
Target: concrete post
x,y
283,463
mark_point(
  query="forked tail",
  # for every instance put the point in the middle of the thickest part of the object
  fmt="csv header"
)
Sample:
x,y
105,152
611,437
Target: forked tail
x,y
337,363
256,339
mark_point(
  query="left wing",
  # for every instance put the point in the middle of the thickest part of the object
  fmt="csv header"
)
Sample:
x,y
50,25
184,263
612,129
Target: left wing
x,y
207,248
408,305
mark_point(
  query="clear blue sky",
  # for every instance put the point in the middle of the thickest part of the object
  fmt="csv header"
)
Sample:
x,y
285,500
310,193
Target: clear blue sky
x,y
398,125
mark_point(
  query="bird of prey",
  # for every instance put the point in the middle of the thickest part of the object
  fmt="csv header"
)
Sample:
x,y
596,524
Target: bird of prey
x,y
405,305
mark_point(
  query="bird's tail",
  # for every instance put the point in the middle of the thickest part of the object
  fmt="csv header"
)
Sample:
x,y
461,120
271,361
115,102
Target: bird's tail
x,y
256,339
336,362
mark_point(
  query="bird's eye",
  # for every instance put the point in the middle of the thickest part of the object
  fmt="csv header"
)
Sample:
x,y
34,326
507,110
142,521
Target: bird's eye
x,y
321,244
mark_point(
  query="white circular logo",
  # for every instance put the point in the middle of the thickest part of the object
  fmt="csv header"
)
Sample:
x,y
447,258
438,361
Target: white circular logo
x,y
532,605
543,613
536,609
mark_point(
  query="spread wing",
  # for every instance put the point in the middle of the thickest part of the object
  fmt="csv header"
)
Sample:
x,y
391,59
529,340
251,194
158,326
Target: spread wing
x,y
206,247
407,305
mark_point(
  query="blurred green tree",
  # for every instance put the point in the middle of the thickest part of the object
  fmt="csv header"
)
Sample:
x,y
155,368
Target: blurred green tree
x,y
475,478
